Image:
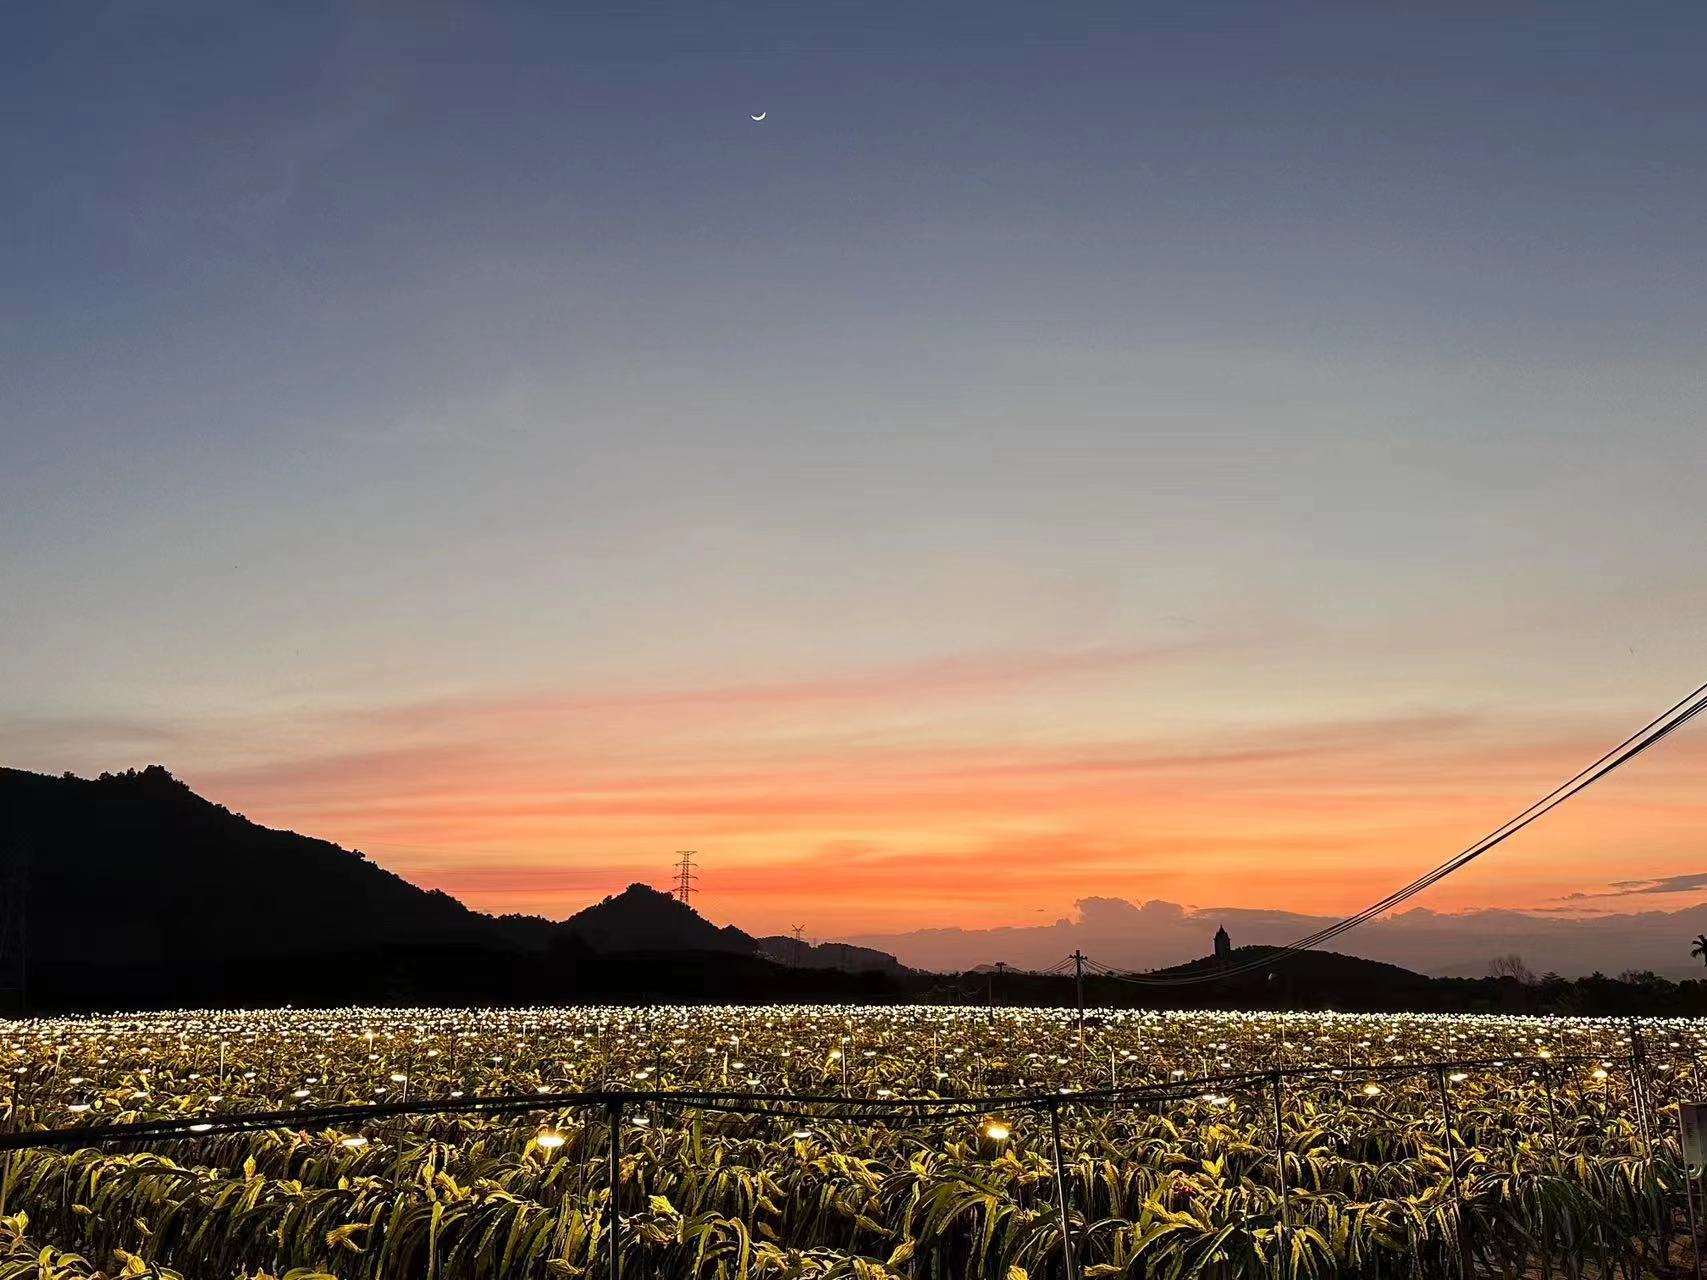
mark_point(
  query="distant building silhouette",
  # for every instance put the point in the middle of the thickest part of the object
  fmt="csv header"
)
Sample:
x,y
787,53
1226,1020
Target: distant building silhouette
x,y
1223,944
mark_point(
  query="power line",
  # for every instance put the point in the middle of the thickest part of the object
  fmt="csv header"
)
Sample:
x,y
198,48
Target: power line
x,y
1656,730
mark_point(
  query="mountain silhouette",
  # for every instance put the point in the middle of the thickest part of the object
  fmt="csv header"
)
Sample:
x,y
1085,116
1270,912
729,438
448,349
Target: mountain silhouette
x,y
641,918
128,867
1305,966
828,955
133,891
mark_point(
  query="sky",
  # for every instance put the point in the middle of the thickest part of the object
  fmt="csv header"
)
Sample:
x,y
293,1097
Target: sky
x,y
1226,455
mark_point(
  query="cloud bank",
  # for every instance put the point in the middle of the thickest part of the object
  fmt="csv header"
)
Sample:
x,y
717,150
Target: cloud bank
x,y
1155,934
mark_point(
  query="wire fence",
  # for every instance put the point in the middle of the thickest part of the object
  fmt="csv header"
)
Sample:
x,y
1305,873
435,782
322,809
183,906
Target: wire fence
x,y
612,1107
774,1105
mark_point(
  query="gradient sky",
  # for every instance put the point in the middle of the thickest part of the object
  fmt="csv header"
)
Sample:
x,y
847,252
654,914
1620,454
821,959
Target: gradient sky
x,y
1235,454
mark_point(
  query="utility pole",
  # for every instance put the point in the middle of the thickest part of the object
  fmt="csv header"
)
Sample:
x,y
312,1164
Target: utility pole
x,y
798,943
686,876
1000,967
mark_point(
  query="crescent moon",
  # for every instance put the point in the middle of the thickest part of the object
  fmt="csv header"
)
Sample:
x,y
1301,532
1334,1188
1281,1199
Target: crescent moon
x,y
761,115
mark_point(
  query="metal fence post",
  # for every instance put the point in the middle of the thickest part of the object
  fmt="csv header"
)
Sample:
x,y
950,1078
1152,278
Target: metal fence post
x,y
1465,1257
1552,1112
613,1232
1639,1101
1689,1197
1280,1177
20,1099
1061,1191
1639,1085
1280,1152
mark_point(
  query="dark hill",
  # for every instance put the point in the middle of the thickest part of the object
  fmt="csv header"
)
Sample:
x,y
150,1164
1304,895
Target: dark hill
x,y
1304,966
641,918
139,893
828,955
135,868
1294,980
1299,979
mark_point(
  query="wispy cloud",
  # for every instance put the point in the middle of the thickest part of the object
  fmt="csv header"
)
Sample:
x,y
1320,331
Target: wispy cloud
x,y
1689,882
950,677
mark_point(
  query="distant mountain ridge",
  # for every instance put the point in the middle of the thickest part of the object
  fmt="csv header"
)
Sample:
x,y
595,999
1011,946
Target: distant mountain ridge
x,y
828,955
642,918
126,866
138,891
1300,965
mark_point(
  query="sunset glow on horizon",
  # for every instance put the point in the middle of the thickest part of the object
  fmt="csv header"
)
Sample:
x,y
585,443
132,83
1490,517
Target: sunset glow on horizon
x,y
945,792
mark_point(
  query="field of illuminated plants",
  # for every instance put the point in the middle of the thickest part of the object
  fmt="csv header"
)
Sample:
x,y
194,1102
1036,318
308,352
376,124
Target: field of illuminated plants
x,y
917,1142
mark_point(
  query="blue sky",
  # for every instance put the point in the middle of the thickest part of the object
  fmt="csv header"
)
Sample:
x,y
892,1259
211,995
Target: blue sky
x,y
370,357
